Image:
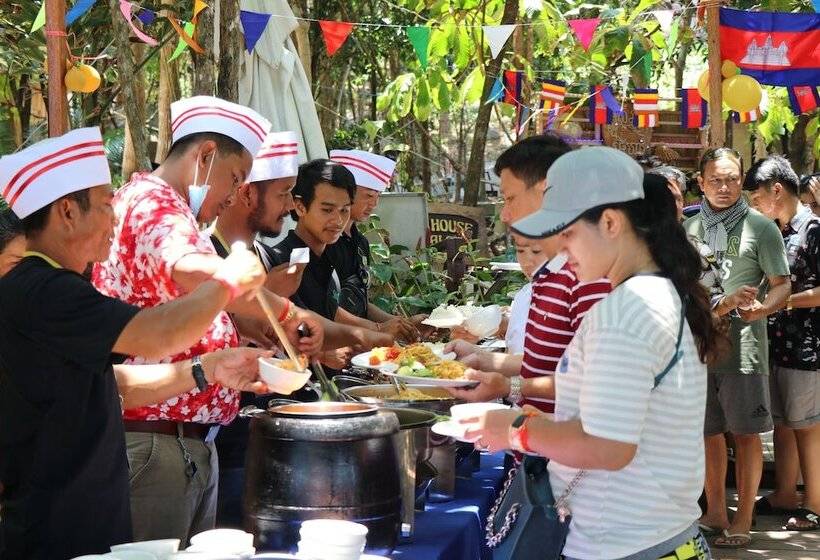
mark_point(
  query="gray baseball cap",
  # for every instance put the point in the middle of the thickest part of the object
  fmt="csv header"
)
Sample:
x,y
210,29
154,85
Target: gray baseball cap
x,y
579,181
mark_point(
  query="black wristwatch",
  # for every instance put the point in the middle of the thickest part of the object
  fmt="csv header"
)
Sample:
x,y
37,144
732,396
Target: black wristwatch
x,y
199,373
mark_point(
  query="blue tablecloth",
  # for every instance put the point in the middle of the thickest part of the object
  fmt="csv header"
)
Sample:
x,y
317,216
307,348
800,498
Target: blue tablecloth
x,y
454,530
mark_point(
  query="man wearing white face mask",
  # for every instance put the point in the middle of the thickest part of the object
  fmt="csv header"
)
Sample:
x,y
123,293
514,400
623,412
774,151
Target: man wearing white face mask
x,y
158,254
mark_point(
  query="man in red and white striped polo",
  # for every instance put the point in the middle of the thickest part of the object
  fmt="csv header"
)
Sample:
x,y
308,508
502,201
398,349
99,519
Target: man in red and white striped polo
x,y
559,300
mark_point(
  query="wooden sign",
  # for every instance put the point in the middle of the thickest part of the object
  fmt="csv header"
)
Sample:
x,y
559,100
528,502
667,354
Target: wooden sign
x,y
453,220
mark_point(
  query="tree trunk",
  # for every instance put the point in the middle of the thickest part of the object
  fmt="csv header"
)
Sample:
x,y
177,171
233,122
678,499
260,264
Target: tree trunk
x,y
683,52
300,8
205,63
130,162
475,167
797,144
230,50
132,108
425,159
168,93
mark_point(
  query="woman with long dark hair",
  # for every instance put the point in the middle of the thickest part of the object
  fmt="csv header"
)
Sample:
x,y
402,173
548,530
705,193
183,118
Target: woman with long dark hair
x,y
626,441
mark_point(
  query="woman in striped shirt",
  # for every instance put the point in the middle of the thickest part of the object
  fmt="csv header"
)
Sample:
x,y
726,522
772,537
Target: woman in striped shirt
x,y
631,387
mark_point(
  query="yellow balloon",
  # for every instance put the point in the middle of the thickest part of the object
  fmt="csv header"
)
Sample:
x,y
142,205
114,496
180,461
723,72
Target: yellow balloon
x,y
729,69
703,85
742,93
82,78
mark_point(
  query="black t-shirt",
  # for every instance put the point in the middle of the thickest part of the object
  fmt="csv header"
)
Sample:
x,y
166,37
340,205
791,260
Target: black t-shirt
x,y
62,444
350,257
318,291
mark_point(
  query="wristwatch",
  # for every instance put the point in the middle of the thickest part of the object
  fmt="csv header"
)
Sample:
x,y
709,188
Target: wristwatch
x,y
199,373
515,395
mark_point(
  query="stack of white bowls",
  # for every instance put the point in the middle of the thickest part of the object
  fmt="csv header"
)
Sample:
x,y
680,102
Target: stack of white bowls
x,y
225,543
331,539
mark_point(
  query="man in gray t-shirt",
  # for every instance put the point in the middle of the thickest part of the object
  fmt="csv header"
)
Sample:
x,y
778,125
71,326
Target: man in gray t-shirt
x,y
750,252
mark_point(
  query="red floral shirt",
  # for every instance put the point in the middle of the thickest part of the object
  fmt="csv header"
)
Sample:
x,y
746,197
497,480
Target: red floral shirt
x,y
155,229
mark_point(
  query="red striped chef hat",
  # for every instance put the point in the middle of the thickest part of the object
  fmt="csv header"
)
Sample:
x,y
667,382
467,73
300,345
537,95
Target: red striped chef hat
x,y
370,170
278,157
37,176
204,113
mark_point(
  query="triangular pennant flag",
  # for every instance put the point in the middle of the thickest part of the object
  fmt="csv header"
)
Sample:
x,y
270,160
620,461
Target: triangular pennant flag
x,y
253,25
497,93
199,5
182,45
78,9
496,36
584,30
664,18
335,34
126,8
40,20
611,102
186,35
419,36
803,99
147,17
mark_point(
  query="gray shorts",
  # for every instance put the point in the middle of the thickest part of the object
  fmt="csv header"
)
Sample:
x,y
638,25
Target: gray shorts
x,y
795,396
738,403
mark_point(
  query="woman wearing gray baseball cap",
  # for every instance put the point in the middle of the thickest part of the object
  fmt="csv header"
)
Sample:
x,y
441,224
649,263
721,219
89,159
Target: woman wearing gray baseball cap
x,y
627,435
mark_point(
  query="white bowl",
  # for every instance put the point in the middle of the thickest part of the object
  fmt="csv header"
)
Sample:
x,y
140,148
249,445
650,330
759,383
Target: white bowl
x,y
280,380
337,532
471,410
161,549
320,551
134,555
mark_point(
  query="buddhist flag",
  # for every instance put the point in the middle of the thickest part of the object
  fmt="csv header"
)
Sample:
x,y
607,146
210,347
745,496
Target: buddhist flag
x,y
694,111
803,99
746,116
513,85
645,106
778,49
552,99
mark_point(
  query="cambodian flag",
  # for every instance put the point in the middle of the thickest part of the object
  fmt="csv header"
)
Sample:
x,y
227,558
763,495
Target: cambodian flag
x,y
779,49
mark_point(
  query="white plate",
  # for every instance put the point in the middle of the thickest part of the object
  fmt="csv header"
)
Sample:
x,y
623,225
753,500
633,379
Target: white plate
x,y
450,428
410,380
509,266
363,360
446,323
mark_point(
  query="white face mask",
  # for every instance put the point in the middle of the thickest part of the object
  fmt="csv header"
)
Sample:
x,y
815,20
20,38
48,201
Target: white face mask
x,y
197,192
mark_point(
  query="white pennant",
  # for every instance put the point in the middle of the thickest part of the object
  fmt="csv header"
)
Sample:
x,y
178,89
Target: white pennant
x,y
664,17
496,36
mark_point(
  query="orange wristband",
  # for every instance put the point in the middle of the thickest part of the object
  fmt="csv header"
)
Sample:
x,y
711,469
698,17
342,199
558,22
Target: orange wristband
x,y
284,316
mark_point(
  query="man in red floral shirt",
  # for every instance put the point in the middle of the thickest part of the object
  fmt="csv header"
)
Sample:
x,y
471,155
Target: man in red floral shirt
x,y
159,254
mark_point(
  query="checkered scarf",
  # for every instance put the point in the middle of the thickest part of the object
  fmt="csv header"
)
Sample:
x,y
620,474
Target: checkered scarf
x,y
717,225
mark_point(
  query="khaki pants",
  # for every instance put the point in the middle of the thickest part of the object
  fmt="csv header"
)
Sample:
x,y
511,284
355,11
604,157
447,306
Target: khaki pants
x,y
166,503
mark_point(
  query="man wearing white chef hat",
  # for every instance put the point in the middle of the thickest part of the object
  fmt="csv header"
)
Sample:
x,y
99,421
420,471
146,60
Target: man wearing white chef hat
x,y
351,254
62,451
158,254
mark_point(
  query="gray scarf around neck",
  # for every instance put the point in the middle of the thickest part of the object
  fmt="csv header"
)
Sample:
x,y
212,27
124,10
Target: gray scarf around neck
x,y
717,225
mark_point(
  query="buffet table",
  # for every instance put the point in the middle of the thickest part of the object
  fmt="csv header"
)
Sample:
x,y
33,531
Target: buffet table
x,y
454,530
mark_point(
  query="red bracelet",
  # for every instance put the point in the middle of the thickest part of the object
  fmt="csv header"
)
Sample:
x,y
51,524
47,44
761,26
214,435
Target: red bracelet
x,y
284,316
232,290
524,436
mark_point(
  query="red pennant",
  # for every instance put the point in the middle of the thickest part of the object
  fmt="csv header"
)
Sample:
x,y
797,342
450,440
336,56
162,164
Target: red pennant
x,y
335,34
584,30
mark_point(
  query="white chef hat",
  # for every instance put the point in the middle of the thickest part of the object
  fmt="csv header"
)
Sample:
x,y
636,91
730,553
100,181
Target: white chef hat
x,y
278,157
37,176
370,170
204,113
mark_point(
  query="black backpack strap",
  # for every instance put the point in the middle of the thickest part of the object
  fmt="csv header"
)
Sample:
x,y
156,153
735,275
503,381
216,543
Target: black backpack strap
x,y
678,352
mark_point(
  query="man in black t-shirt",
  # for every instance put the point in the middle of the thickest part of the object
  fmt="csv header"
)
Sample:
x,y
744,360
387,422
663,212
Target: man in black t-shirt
x,y
350,255
323,196
62,447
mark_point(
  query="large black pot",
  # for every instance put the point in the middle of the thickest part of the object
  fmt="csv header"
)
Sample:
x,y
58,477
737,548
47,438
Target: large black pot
x,y
322,460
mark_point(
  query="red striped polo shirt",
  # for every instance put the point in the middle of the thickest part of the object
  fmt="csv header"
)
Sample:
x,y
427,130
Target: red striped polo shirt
x,y
559,302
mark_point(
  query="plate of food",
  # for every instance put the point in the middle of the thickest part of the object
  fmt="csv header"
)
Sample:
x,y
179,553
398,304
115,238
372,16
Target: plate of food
x,y
390,356
441,373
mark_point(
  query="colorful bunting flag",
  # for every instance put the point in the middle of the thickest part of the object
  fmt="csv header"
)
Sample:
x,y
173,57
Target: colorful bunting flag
x,y
78,9
645,107
40,20
147,17
186,34
803,99
419,36
126,8
497,93
181,45
551,99
603,105
584,30
746,116
335,33
496,36
513,85
253,25
694,111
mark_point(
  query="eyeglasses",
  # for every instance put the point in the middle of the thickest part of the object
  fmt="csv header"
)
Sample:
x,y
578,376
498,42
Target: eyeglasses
x,y
730,180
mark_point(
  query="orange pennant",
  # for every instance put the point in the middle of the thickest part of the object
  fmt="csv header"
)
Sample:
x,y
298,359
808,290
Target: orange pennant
x,y
184,36
199,5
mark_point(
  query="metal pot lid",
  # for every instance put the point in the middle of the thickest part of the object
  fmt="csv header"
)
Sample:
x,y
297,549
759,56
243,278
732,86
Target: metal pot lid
x,y
323,409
